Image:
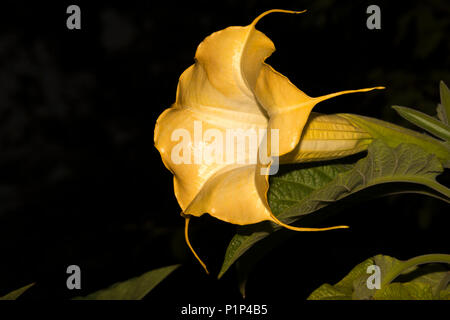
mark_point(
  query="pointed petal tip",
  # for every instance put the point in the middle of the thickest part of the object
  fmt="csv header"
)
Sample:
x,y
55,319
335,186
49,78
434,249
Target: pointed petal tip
x,y
186,236
332,95
262,15
368,89
282,224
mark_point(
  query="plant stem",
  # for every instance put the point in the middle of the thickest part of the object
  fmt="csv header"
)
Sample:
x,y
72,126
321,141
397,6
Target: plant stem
x,y
427,258
418,180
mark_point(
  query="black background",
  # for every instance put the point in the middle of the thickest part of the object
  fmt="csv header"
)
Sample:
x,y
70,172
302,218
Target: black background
x,y
81,182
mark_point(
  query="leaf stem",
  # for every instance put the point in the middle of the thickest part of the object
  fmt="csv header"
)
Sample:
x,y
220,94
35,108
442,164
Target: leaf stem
x,y
419,180
400,268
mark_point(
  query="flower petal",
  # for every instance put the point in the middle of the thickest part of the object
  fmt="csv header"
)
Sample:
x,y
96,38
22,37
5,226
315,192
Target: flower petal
x,y
227,66
191,173
327,137
287,106
218,194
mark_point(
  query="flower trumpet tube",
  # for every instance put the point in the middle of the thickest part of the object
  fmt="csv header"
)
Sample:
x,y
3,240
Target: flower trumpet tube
x,y
327,137
234,117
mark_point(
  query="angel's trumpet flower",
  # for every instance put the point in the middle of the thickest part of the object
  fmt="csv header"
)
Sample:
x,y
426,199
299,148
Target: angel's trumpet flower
x,y
230,87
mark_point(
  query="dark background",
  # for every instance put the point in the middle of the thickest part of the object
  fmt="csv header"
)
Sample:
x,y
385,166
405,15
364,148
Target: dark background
x,y
81,182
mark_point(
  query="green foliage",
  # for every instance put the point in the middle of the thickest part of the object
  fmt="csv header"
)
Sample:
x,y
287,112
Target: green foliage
x,y
424,121
443,109
424,283
394,135
306,190
13,295
440,127
134,288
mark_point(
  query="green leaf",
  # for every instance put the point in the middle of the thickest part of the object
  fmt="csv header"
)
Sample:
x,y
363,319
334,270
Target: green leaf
x,y
445,99
407,291
438,280
425,283
343,290
424,121
242,277
441,114
16,293
394,135
288,188
132,289
386,264
329,292
430,286
307,190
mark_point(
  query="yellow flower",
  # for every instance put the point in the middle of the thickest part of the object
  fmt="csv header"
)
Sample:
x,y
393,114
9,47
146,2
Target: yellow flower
x,y
230,87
